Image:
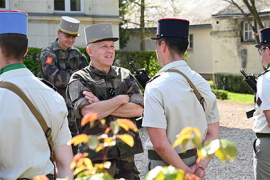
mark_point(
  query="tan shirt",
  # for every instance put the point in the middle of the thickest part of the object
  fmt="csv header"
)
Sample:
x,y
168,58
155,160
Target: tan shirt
x,y
24,151
170,103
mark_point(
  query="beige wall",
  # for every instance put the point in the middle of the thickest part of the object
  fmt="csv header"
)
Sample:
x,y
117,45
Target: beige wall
x,y
229,53
43,21
200,56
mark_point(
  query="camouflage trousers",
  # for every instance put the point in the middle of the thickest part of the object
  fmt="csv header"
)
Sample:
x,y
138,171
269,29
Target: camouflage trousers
x,y
123,168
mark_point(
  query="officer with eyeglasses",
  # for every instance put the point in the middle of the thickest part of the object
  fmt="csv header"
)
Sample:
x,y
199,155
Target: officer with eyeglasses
x,y
261,125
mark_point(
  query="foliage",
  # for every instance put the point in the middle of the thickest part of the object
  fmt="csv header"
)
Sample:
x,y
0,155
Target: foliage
x,y
84,169
31,61
222,148
220,94
232,82
123,32
142,59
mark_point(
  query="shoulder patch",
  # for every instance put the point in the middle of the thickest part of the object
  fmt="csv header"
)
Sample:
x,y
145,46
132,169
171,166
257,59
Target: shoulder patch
x,y
49,60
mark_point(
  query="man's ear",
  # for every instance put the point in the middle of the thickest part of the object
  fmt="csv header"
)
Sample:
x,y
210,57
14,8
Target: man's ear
x,y
26,52
88,50
163,46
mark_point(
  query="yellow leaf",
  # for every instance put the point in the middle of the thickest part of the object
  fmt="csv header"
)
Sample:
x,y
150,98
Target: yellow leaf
x,y
197,132
128,123
128,139
79,169
72,165
82,138
221,155
123,126
89,117
180,140
100,147
88,163
185,131
103,122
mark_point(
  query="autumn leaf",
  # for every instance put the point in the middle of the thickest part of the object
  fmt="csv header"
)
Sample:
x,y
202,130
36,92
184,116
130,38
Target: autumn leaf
x,y
89,117
127,124
128,139
40,177
82,138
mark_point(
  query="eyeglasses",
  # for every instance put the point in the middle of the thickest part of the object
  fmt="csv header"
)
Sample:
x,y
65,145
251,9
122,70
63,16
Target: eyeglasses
x,y
260,50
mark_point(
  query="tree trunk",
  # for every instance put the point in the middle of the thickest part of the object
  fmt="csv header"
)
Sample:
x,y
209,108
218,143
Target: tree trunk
x,y
142,26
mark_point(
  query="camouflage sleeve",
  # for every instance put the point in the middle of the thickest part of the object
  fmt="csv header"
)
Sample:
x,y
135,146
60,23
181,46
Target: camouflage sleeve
x,y
134,91
52,71
83,62
75,95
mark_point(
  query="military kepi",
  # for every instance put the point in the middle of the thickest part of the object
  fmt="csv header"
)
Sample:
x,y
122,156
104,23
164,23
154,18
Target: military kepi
x,y
99,32
264,36
172,27
70,26
13,21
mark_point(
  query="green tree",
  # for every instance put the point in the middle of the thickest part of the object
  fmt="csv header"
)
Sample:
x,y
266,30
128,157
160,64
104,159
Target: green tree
x,y
135,11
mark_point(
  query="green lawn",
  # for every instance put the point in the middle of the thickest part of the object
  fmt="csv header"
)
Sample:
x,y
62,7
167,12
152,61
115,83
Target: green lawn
x,y
242,98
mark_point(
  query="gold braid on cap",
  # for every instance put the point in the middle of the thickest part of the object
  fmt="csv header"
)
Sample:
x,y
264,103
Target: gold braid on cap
x,y
68,32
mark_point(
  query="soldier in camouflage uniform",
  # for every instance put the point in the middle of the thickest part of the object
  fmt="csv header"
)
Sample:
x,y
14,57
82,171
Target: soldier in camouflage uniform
x,y
112,93
60,60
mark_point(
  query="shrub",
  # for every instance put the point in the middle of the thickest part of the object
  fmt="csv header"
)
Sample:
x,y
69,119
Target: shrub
x,y
232,82
220,94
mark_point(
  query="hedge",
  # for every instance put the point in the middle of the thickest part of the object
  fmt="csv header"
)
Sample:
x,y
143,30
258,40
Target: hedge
x,y
142,59
232,83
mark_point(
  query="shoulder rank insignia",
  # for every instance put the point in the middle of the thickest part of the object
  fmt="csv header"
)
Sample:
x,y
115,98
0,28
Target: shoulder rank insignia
x,y
259,101
49,60
263,72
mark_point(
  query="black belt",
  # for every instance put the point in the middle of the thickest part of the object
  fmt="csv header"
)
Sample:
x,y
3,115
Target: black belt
x,y
49,176
153,155
262,135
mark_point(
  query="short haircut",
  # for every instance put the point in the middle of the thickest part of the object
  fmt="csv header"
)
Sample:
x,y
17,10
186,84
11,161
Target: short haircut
x,y
175,45
13,46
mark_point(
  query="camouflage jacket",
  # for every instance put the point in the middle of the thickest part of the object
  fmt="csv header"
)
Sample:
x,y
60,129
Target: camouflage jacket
x,y
104,86
58,65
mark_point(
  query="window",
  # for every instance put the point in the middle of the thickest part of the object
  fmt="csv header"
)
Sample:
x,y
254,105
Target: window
x,y
248,33
68,5
4,4
190,41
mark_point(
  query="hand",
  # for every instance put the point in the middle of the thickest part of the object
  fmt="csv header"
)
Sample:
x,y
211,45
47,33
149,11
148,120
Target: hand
x,y
200,173
90,97
125,98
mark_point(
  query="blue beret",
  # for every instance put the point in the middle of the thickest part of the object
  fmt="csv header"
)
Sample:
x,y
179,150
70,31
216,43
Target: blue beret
x,y
12,21
172,27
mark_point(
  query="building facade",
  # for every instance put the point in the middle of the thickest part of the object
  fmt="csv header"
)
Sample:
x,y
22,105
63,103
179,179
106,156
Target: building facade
x,y
220,38
45,15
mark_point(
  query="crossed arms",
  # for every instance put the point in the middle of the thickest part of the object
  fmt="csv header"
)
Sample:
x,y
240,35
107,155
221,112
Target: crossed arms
x,y
118,106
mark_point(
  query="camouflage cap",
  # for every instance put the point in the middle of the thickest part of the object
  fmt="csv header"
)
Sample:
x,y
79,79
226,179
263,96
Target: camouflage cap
x,y
69,26
99,32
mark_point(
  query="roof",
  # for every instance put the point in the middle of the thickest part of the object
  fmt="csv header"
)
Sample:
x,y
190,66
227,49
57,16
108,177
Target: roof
x,y
198,12
262,7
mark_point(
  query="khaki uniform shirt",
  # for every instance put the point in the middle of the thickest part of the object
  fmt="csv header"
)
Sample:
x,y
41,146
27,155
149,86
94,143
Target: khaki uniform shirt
x,y
104,86
260,124
171,104
24,150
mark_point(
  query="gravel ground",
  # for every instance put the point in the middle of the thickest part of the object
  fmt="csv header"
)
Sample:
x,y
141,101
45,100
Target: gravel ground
x,y
235,127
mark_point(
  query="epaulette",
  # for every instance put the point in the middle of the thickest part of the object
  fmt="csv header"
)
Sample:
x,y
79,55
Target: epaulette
x,y
48,84
263,72
153,78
